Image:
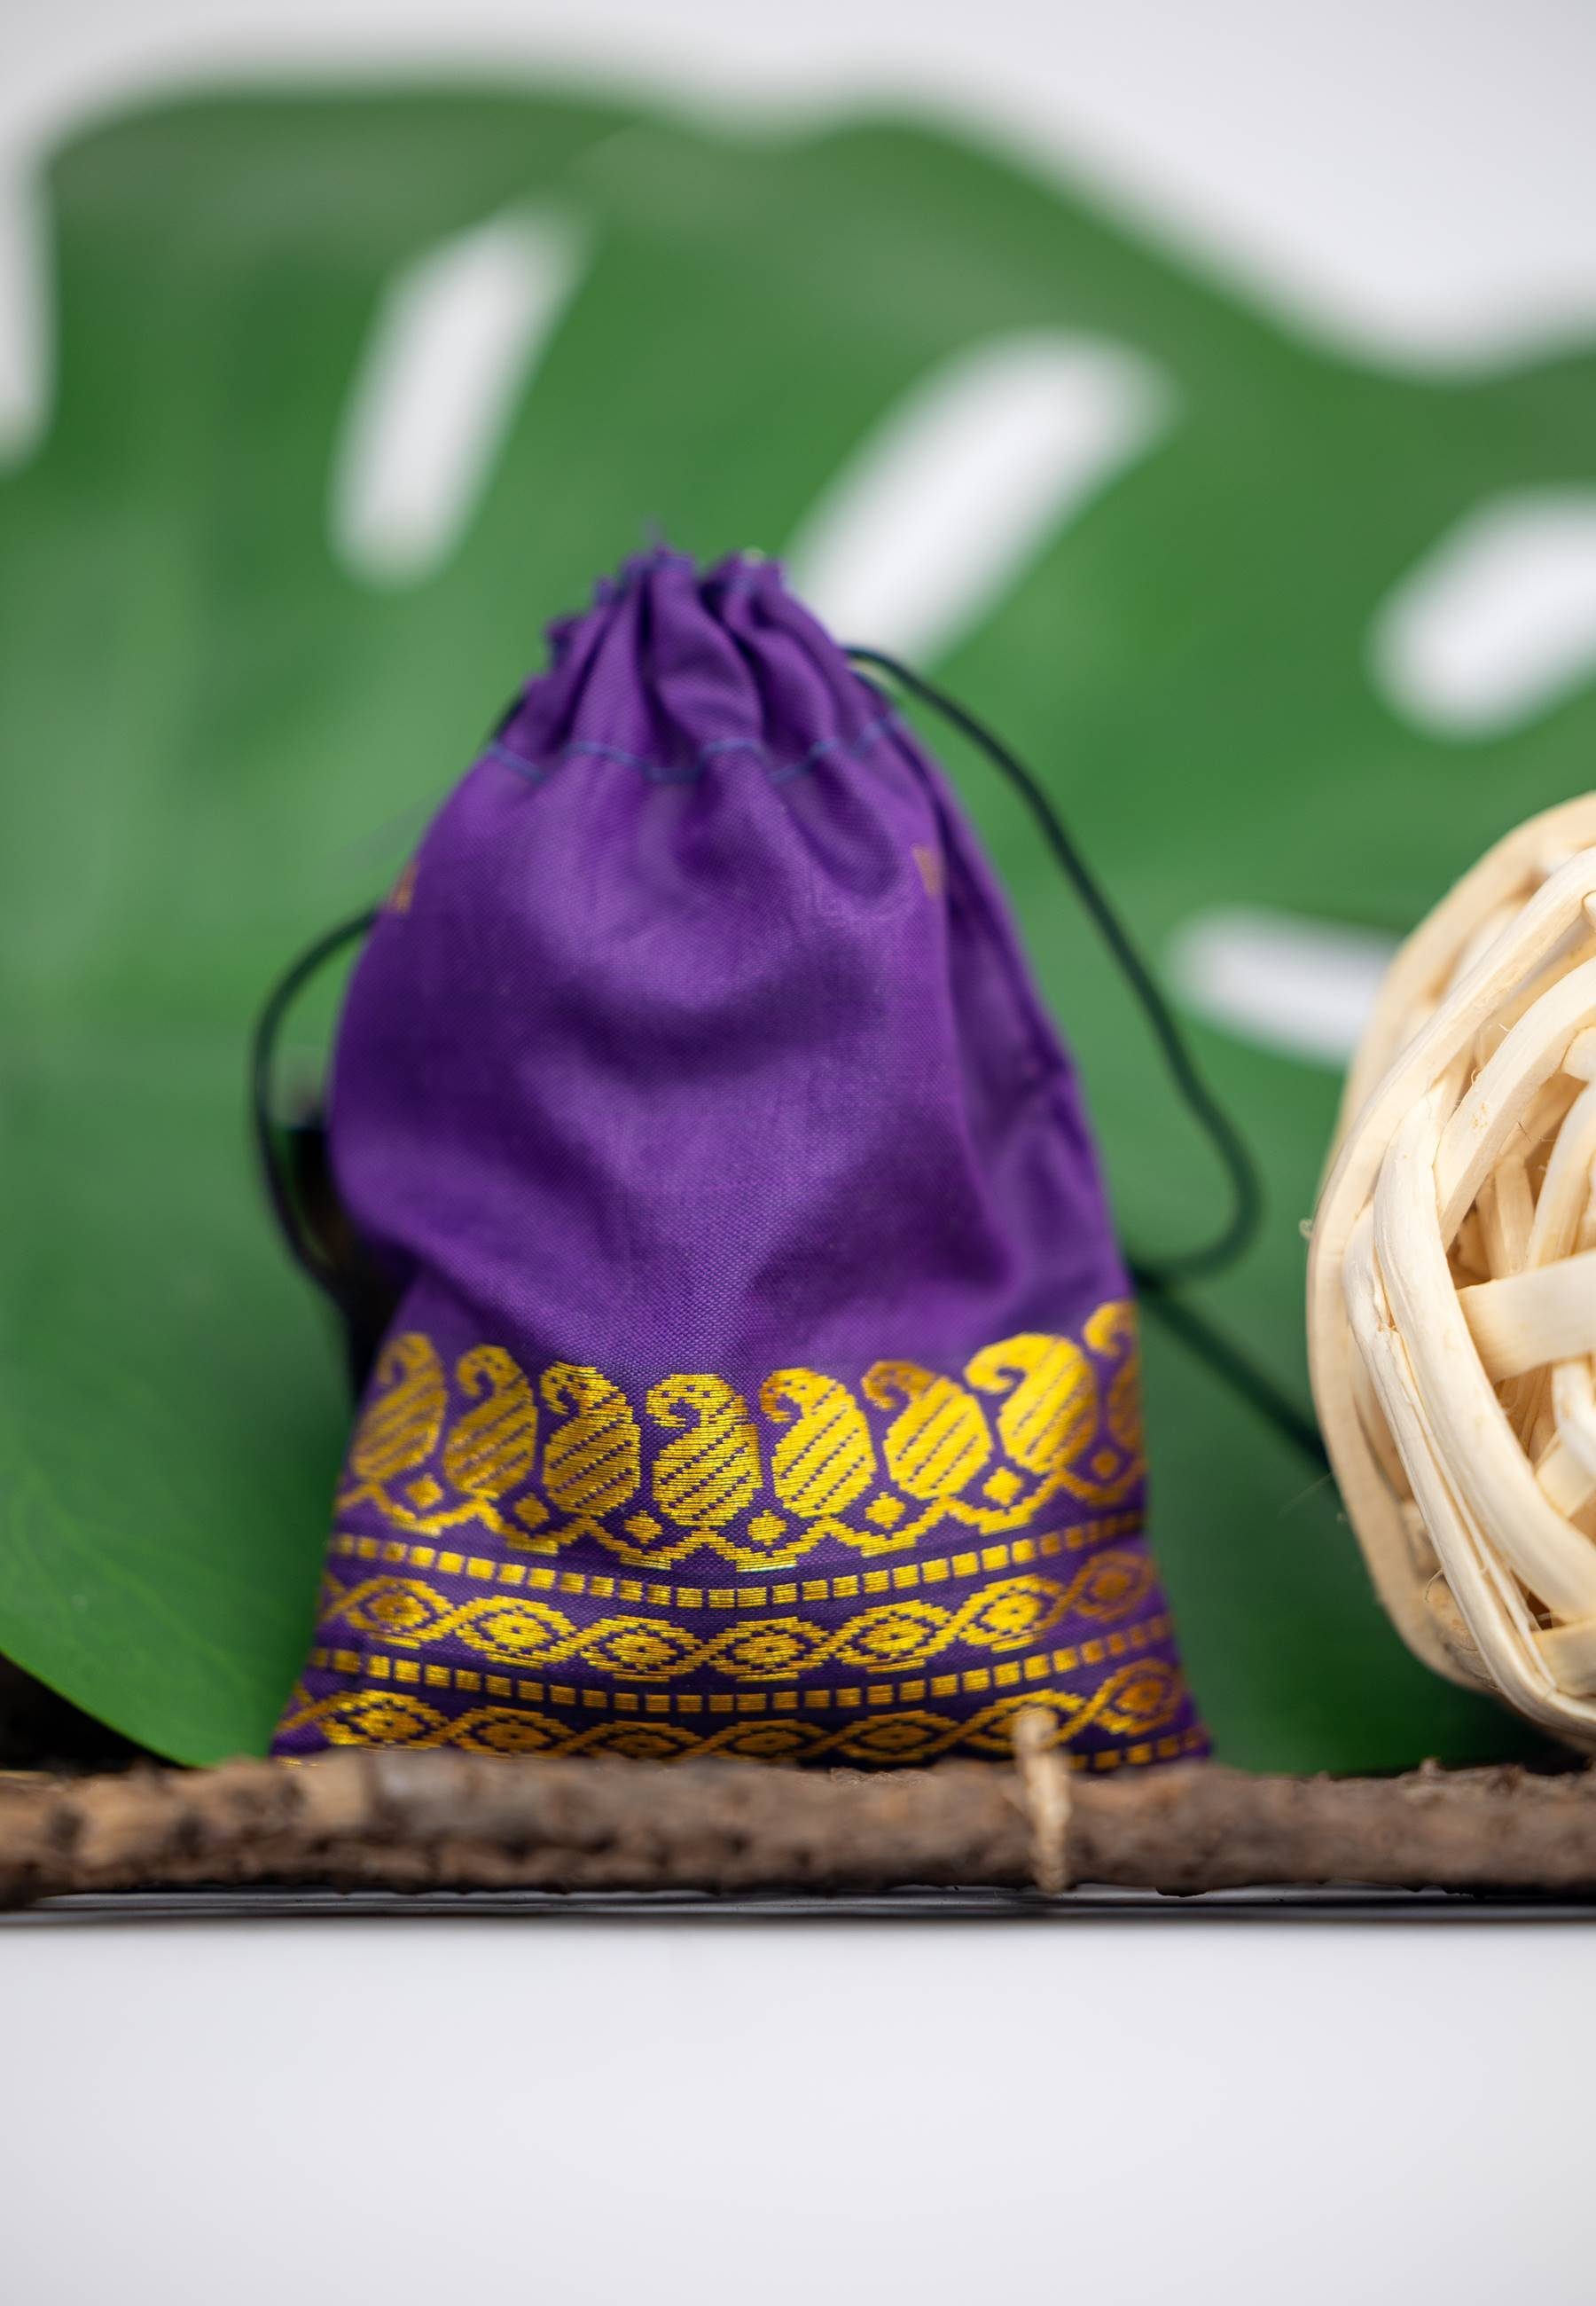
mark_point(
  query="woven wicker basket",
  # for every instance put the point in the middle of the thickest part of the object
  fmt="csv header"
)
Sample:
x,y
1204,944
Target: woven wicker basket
x,y
1452,1283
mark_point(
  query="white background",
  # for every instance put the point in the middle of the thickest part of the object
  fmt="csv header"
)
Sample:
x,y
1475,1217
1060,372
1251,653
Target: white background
x,y
665,2112
764,2112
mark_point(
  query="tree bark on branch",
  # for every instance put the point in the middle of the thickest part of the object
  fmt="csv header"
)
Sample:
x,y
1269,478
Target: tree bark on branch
x,y
408,1821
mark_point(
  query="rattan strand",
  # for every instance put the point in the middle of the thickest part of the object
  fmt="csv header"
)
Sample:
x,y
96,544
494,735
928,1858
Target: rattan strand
x,y
1452,1280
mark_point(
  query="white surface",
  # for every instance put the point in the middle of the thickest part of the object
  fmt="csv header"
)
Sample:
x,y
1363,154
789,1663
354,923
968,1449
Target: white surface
x,y
1306,986
941,510
387,2112
1498,625
453,350
595,2114
1413,176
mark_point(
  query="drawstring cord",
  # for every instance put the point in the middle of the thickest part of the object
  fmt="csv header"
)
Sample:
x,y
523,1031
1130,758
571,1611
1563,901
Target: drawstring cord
x,y
1156,1280
1240,1228
309,1251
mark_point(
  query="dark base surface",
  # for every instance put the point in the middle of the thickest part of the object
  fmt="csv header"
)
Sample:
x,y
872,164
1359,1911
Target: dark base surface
x,y
1088,1904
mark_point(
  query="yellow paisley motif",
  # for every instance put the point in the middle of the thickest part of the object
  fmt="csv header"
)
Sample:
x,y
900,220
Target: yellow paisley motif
x,y
593,1460
1112,1332
712,1472
491,1447
1045,1420
828,1458
489,1450
400,1423
941,1440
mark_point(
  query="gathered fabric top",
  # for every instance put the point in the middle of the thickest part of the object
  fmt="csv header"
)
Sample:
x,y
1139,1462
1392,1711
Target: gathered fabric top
x,y
670,670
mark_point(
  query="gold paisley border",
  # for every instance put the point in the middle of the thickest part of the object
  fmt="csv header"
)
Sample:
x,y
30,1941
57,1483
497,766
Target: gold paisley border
x,y
1033,1419
513,1629
1133,1704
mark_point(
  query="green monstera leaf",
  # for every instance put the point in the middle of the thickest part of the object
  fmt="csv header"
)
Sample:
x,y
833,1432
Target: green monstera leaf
x,y
216,740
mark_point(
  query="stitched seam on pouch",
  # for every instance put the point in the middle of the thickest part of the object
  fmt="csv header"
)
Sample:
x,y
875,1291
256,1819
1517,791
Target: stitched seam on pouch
x,y
845,748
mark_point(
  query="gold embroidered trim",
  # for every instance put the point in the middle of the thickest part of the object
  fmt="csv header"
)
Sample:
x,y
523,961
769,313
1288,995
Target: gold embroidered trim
x,y
1134,1703
1012,1614
351,1545
974,1682
434,1452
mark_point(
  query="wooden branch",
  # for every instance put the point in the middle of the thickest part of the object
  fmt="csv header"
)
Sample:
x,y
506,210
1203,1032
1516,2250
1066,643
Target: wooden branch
x,y
405,1820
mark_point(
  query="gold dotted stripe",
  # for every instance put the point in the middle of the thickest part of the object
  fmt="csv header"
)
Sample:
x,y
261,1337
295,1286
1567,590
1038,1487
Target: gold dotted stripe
x,y
978,1681
1137,1702
352,1546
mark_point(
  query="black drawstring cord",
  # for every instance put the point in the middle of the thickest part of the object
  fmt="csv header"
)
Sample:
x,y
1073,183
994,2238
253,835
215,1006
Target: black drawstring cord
x,y
1239,1372
1246,1198
307,1250
1156,1281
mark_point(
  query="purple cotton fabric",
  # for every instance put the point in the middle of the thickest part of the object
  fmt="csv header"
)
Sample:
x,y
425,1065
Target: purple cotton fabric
x,y
765,1379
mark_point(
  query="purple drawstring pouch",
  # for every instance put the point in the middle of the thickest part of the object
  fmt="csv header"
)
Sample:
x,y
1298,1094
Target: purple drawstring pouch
x,y
764,1376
